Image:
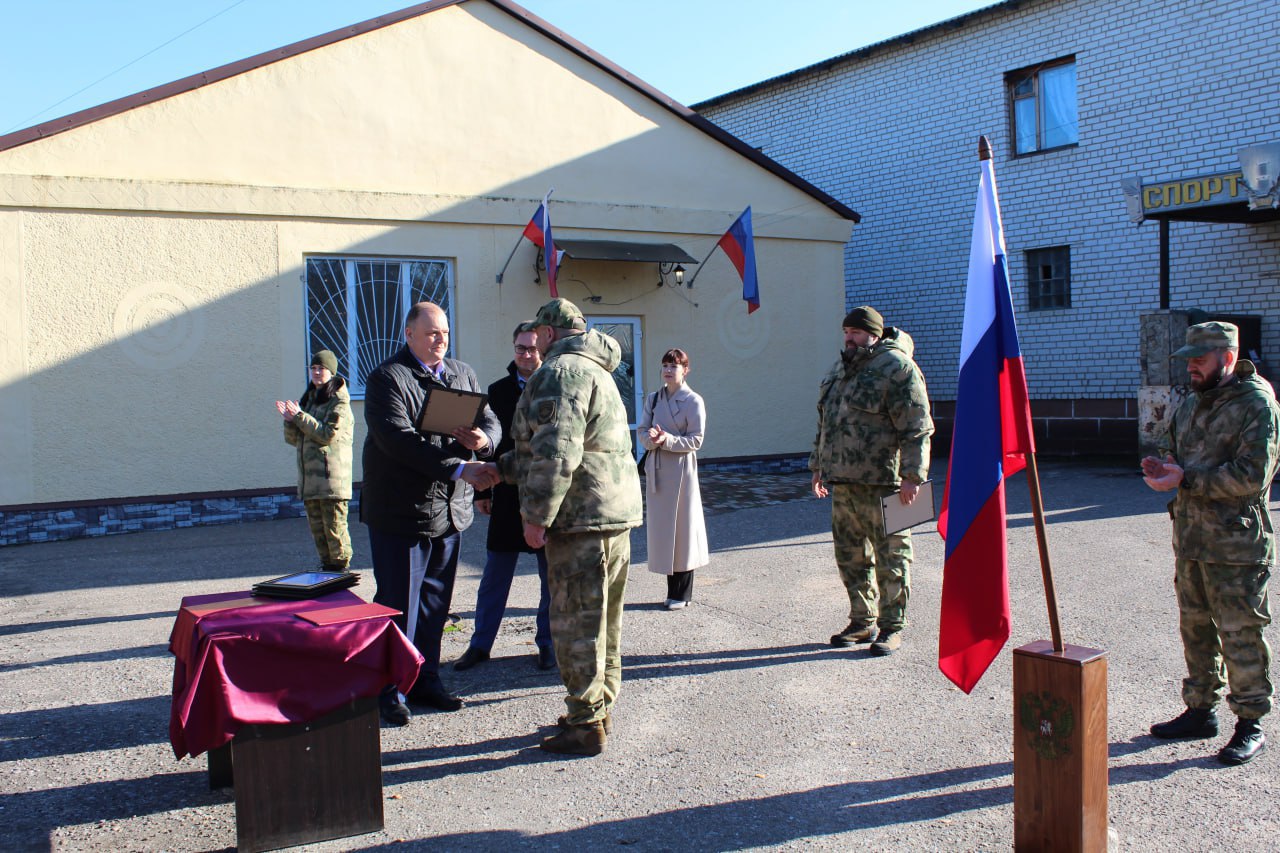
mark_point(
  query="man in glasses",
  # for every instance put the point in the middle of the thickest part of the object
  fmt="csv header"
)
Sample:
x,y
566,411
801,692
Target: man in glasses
x,y
506,529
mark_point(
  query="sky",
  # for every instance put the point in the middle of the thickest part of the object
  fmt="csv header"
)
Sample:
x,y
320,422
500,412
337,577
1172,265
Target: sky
x,y
61,56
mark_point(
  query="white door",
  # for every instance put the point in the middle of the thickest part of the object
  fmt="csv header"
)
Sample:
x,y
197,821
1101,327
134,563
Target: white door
x,y
628,376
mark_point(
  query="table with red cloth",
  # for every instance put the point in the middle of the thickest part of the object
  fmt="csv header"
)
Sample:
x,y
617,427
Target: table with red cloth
x,y
244,660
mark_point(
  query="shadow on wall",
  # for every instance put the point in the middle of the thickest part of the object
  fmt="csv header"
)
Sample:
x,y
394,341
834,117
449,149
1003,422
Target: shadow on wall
x,y
168,422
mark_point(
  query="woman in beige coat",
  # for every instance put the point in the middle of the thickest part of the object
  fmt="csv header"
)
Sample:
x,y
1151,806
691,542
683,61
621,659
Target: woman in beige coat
x,y
671,430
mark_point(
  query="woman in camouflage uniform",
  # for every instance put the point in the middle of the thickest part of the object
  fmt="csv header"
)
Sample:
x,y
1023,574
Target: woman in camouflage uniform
x,y
321,427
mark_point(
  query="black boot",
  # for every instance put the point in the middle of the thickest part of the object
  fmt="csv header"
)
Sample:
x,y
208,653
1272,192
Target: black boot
x,y
1245,744
1191,723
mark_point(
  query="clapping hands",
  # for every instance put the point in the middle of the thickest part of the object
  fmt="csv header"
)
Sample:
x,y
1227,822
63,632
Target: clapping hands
x,y
1162,476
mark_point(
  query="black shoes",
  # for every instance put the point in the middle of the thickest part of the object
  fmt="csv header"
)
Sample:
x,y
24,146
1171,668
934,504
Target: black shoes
x,y
1192,723
854,634
433,695
393,711
1245,744
470,658
546,658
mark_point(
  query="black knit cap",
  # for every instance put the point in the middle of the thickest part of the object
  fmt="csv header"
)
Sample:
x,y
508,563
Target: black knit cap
x,y
865,318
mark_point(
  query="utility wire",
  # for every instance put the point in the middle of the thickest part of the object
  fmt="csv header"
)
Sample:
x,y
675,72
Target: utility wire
x,y
24,122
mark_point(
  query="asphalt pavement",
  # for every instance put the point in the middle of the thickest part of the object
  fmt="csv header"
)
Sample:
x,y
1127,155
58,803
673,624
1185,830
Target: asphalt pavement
x,y
738,726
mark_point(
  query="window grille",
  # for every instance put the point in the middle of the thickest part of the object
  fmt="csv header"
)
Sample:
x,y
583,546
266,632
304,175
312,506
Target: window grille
x,y
356,307
1049,278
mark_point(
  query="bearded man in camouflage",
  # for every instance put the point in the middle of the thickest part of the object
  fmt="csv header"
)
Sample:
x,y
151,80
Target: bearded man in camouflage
x,y
579,498
873,439
1220,454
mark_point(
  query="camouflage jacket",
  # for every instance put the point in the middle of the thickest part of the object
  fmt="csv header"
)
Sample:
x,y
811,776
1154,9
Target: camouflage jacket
x,y
1227,441
573,455
873,417
323,433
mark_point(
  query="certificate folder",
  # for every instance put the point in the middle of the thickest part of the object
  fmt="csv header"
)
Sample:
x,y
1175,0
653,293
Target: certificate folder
x,y
348,613
899,516
447,409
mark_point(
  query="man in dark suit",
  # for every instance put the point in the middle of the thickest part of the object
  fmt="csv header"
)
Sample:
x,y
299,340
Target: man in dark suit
x,y
506,527
417,494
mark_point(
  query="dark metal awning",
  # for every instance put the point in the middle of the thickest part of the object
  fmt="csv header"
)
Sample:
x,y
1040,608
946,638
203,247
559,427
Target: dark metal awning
x,y
619,250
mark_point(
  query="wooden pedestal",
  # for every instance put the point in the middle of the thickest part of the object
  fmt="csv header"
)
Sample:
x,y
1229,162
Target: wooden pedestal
x,y
1059,748
305,781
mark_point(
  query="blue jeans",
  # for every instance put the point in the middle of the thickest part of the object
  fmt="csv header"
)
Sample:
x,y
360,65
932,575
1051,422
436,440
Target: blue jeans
x,y
491,599
415,576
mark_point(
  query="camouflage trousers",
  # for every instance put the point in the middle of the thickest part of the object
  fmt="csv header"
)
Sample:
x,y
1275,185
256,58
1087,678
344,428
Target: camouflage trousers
x,y
1222,609
875,568
328,520
587,577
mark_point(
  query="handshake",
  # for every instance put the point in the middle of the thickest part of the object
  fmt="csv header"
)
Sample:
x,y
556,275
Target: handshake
x,y
482,475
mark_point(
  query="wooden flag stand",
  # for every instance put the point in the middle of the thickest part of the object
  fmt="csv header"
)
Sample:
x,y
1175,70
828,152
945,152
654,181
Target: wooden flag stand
x,y
1059,730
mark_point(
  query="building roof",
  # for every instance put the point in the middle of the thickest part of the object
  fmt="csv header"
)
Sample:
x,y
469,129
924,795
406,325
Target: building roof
x,y
195,81
958,22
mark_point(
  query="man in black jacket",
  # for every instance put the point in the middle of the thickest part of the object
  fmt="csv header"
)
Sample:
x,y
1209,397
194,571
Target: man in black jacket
x,y
417,493
506,527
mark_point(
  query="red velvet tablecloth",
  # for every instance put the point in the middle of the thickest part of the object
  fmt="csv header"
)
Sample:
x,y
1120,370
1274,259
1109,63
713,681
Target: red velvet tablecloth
x,y
243,660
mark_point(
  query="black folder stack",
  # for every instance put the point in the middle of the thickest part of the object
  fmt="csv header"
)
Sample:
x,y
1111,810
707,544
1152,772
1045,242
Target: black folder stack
x,y
306,584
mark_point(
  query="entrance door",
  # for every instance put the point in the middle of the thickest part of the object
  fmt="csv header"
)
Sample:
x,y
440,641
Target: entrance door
x,y
628,376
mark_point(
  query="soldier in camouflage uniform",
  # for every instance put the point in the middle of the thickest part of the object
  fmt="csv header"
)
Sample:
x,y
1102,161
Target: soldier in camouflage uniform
x,y
1220,453
873,439
579,497
320,426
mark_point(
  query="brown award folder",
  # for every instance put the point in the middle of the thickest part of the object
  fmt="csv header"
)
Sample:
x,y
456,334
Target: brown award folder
x,y
447,409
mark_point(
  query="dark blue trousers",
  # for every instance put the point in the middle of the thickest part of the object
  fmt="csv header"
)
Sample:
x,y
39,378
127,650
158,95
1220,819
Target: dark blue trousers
x,y
491,599
415,576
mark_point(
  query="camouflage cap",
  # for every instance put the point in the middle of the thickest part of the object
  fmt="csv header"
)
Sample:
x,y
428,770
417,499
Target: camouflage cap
x,y
1203,338
560,314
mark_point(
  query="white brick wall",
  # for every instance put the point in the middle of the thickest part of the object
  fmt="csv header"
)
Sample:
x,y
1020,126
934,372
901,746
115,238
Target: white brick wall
x,y
1165,89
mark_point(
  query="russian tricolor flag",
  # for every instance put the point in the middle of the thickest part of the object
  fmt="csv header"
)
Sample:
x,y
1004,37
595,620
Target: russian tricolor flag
x,y
739,245
539,232
991,441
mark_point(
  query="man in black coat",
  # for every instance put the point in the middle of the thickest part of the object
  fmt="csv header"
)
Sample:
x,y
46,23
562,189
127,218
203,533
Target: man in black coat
x,y
506,527
416,498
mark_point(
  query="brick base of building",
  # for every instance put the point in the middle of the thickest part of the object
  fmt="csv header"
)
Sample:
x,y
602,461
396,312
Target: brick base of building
x,y
53,523
1065,427
1062,428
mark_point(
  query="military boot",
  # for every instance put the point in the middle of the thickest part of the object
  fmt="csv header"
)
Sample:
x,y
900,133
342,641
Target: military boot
x,y
888,643
855,633
563,722
584,739
1191,723
1245,744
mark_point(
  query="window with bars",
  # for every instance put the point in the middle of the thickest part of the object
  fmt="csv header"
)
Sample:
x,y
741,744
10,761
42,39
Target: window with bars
x,y
1049,278
1043,104
356,307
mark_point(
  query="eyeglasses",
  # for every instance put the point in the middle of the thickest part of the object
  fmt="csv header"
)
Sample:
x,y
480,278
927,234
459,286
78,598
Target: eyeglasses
x,y
525,350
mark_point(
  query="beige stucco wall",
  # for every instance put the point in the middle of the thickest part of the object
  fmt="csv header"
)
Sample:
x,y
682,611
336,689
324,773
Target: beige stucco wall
x,y
151,301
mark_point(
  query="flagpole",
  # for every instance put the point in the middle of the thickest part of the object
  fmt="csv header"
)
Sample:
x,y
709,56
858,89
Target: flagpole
x,y
1037,504
1042,542
703,264
503,271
